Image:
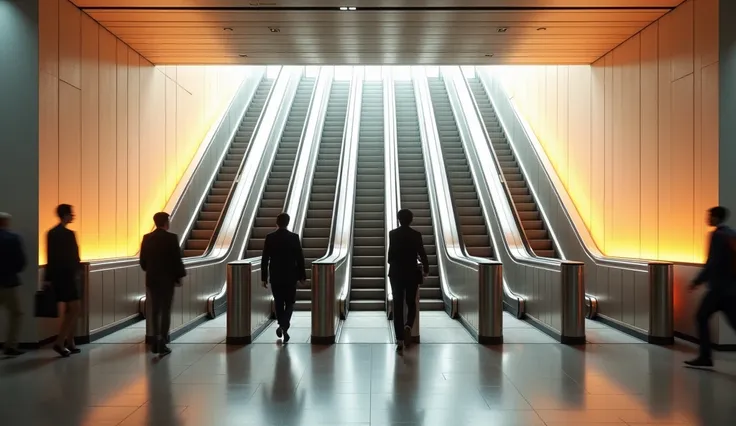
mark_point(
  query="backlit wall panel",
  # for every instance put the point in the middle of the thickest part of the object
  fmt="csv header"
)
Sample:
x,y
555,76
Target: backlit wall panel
x,y
634,136
116,132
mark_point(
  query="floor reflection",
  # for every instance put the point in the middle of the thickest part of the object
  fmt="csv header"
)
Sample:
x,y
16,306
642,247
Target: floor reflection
x,y
534,384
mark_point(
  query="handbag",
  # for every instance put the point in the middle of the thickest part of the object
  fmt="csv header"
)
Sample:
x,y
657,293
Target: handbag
x,y
45,303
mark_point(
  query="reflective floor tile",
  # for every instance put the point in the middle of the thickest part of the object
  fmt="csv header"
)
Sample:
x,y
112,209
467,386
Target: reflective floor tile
x,y
445,335
204,335
610,336
365,335
525,335
126,335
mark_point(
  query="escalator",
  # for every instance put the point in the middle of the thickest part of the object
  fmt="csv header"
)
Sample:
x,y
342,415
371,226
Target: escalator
x,y
534,227
368,283
204,229
274,195
472,227
316,233
413,188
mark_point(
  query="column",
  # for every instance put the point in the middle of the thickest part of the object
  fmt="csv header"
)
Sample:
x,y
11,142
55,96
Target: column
x,y
19,118
727,131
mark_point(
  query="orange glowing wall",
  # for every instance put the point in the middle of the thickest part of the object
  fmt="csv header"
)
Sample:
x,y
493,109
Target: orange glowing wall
x,y
116,132
634,136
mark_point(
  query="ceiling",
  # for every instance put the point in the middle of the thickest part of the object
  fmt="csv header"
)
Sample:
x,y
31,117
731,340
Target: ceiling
x,y
378,32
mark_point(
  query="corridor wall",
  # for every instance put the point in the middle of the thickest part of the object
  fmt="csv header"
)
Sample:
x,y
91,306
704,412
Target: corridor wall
x,y
634,136
116,132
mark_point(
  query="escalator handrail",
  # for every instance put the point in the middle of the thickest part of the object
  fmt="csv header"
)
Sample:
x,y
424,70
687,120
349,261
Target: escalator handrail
x,y
348,167
391,170
493,175
581,232
294,183
455,213
230,191
505,185
437,185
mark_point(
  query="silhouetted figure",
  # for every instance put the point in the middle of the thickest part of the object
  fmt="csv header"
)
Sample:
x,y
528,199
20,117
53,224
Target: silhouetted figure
x,y
719,272
161,259
63,270
12,263
404,249
283,261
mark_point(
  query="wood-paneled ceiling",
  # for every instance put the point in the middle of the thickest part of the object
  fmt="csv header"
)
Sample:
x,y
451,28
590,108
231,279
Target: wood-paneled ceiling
x,y
377,32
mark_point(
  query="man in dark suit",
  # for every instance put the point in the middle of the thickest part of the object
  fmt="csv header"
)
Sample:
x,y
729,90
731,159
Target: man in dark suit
x,y
161,259
63,269
404,248
283,261
12,263
719,272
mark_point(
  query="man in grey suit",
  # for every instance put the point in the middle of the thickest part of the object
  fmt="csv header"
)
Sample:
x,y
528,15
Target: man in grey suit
x,y
405,247
283,261
719,272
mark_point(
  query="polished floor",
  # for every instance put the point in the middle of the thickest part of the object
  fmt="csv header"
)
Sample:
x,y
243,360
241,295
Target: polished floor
x,y
527,381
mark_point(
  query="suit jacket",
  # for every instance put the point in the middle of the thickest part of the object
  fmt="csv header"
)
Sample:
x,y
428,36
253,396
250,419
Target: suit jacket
x,y
405,246
161,259
12,259
719,270
62,255
282,258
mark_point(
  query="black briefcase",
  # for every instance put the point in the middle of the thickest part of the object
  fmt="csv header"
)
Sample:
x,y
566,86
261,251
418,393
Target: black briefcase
x,y
46,305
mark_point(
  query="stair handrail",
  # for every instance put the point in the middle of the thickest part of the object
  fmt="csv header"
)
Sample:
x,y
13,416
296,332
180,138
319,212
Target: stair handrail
x,y
392,191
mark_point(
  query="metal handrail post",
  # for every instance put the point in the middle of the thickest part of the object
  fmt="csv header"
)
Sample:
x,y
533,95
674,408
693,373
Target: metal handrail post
x,y
324,302
661,303
239,304
490,302
572,329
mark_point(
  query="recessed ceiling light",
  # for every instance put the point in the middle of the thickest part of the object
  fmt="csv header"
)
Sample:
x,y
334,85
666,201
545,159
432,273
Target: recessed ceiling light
x,y
343,8
502,30
227,29
490,55
346,8
243,55
351,8
274,30
542,29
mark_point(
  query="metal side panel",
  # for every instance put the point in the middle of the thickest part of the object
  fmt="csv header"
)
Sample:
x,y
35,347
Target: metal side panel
x,y
565,222
538,285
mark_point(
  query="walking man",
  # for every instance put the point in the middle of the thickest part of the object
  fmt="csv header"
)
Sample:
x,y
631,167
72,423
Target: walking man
x,y
12,263
63,269
283,262
404,249
161,259
719,272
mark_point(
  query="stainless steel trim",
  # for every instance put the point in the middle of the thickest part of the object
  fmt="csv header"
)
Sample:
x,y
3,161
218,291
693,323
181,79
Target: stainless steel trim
x,y
391,166
335,288
661,301
490,305
526,277
601,273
